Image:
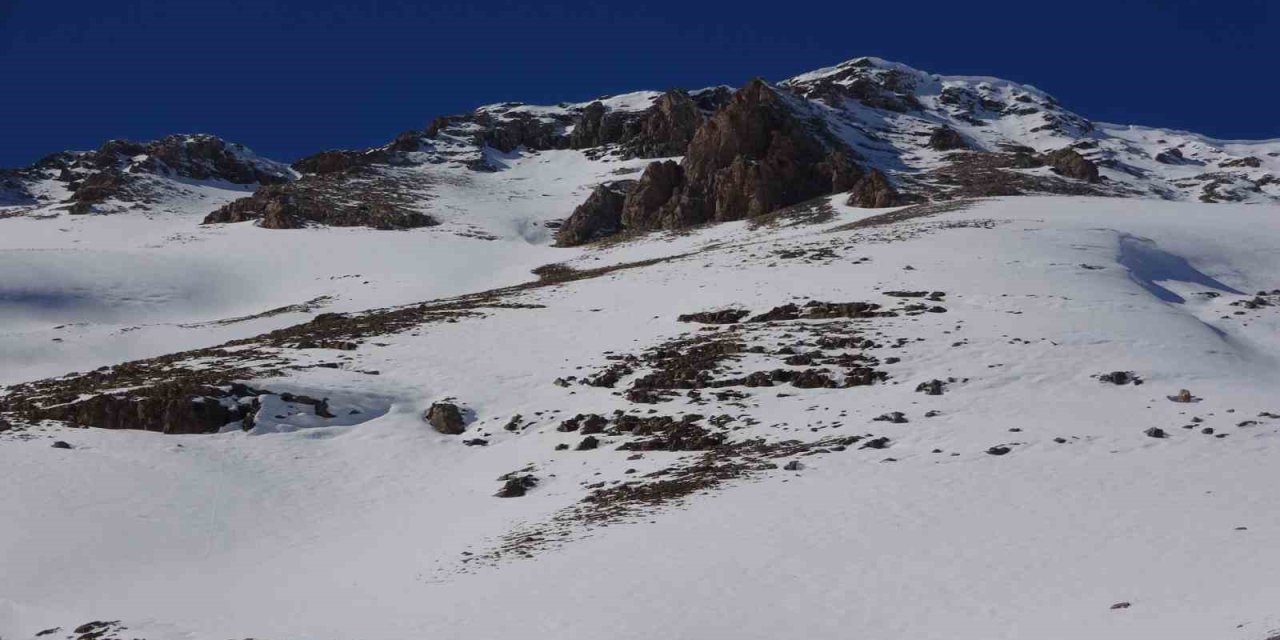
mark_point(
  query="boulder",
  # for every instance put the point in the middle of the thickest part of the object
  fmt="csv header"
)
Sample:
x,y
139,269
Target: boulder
x,y
446,418
1070,163
946,139
516,485
873,191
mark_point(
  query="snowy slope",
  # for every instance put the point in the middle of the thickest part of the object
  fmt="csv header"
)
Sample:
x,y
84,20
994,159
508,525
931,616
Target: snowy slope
x,y
84,291
756,482
367,530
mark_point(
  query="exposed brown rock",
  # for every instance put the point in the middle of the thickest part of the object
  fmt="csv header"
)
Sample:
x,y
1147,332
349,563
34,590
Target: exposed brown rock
x,y
1248,161
873,191
658,185
977,174
406,142
318,200
518,129
98,187
666,128
167,408
591,130
946,139
515,485
446,418
331,162
753,156
1170,156
599,216
864,81
1070,163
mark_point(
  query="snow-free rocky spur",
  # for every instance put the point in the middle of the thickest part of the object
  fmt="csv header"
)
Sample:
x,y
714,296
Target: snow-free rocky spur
x,y
867,352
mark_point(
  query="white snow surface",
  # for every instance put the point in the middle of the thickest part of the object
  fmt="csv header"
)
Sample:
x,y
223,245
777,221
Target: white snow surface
x,y
372,525
307,529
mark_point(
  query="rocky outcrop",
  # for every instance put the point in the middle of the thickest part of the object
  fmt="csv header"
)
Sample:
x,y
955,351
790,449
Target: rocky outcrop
x,y
946,139
753,156
599,216
864,81
666,128
332,161
167,408
1070,163
203,157
446,418
982,174
658,185
663,129
325,200
595,127
12,189
98,187
1170,156
126,171
873,191
520,129
1247,162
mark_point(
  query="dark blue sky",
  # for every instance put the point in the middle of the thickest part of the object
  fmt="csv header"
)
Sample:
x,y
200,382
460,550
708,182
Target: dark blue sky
x,y
290,77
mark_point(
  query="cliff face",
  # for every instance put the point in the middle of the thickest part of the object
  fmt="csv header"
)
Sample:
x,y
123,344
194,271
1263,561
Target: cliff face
x,y
599,216
753,156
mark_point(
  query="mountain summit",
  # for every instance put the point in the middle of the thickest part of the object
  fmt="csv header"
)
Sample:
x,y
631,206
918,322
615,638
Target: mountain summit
x,y
914,136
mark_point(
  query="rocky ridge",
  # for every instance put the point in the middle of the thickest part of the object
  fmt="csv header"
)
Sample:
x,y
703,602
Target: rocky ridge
x,y
124,173
884,132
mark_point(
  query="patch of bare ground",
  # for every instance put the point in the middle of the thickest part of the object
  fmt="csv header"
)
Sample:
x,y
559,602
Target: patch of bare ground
x,y
814,345
713,469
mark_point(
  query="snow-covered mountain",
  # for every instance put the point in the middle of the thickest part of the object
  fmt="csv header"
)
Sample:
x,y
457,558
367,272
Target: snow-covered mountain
x,y
864,352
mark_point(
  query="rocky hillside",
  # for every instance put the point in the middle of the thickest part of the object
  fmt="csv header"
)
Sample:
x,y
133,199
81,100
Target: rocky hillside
x,y
122,175
882,131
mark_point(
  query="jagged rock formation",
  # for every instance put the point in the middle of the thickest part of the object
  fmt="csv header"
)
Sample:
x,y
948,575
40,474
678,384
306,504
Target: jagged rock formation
x,y
599,216
641,125
745,154
755,155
